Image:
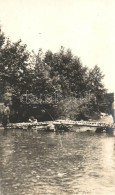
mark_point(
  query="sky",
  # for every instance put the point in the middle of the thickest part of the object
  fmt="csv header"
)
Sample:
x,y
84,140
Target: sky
x,y
85,26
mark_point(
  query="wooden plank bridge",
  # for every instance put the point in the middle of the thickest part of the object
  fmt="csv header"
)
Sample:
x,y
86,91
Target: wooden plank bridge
x,y
67,123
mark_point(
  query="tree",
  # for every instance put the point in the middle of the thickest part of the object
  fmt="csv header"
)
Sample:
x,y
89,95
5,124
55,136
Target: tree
x,y
2,39
49,74
14,70
67,73
13,63
71,78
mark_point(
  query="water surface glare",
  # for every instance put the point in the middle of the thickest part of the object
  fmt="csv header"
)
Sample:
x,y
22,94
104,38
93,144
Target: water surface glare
x,y
42,163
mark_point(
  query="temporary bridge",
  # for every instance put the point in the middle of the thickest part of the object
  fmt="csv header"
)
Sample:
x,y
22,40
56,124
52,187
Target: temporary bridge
x,y
99,126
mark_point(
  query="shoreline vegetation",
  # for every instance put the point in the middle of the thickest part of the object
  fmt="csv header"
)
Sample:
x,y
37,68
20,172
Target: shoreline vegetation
x,y
50,85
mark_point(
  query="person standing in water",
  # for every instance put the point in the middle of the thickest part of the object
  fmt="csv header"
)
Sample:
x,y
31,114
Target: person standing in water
x,y
5,115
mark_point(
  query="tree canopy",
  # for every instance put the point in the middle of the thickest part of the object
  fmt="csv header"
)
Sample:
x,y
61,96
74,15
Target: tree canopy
x,y
49,74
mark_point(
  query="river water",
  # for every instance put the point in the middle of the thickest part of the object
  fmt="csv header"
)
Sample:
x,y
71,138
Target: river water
x,y
68,163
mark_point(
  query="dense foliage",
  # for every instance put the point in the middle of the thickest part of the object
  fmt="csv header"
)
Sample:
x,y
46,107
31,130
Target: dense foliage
x,y
57,84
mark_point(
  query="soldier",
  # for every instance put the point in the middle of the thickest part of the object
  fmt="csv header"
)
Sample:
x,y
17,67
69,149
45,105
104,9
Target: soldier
x,y
5,115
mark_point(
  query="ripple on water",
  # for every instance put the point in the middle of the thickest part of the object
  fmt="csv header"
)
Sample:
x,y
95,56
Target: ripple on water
x,y
70,163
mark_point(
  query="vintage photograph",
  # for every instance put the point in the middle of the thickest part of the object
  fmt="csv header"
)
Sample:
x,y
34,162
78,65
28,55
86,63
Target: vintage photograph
x,y
57,113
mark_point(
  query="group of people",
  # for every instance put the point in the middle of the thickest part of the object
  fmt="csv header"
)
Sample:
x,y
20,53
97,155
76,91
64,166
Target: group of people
x,y
50,126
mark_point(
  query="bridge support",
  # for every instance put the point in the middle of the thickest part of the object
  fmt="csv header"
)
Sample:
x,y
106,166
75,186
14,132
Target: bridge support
x,y
110,130
100,129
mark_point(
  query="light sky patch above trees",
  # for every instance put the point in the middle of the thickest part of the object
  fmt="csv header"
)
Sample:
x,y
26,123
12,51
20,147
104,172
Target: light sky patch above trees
x,y
85,26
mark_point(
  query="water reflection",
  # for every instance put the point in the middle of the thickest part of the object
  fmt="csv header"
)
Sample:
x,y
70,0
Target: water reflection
x,y
108,152
56,163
